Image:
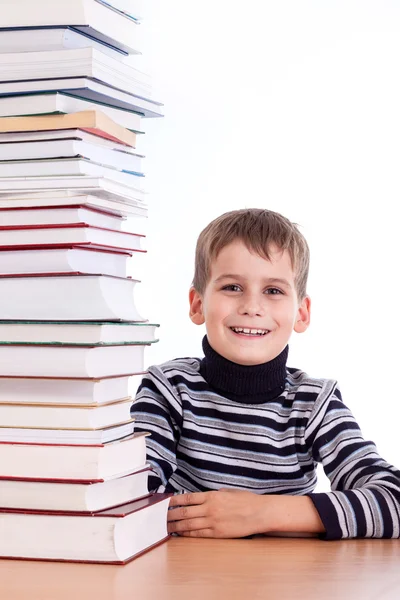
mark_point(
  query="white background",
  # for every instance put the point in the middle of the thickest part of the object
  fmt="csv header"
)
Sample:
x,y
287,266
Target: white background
x,y
292,106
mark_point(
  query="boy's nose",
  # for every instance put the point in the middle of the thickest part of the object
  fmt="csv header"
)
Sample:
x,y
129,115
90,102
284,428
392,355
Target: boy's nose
x,y
251,306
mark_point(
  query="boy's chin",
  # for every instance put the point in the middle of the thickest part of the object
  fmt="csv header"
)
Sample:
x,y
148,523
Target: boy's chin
x,y
249,359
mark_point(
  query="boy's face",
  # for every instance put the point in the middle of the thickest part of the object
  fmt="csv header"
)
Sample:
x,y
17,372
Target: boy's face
x,y
250,305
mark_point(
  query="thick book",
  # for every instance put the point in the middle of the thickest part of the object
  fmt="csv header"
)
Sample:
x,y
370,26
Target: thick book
x,y
85,185
66,391
78,62
35,105
113,536
121,207
68,259
18,216
71,461
78,234
67,167
35,39
65,417
92,17
43,297
71,147
133,8
92,121
74,497
85,88
61,360
79,333
79,437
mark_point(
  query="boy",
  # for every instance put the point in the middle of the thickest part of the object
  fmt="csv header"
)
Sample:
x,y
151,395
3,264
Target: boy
x,y
241,432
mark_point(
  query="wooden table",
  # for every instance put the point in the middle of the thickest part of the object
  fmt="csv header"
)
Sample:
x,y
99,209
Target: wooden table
x,y
183,569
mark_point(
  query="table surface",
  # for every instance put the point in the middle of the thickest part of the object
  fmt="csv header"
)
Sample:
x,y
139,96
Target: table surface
x,y
185,568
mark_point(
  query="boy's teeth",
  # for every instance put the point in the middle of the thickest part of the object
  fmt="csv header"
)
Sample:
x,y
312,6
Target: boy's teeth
x,y
249,331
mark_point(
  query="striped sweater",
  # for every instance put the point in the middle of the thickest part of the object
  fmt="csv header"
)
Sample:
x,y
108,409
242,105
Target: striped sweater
x,y
201,440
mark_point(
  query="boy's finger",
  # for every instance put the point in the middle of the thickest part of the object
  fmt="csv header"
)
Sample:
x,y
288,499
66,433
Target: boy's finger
x,y
185,512
187,499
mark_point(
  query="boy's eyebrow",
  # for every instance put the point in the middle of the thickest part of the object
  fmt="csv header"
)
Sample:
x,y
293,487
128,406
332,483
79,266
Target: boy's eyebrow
x,y
275,280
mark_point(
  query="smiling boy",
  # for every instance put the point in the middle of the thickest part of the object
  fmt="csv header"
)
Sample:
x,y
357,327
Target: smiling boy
x,y
239,431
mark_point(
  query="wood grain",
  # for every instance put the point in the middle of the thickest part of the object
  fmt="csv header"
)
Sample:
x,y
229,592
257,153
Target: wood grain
x,y
183,568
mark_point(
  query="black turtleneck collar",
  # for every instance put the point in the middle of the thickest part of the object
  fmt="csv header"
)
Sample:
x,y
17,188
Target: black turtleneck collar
x,y
248,384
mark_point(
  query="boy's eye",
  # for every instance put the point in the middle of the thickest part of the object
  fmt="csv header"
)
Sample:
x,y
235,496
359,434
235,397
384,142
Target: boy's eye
x,y
273,291
232,287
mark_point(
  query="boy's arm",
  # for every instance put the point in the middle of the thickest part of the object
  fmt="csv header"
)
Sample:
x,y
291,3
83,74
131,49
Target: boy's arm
x,y
365,496
157,410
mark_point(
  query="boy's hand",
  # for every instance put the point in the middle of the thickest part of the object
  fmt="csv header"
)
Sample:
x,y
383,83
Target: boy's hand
x,y
222,514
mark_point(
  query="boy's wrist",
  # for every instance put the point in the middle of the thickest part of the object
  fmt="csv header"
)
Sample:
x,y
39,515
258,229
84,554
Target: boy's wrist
x,y
296,514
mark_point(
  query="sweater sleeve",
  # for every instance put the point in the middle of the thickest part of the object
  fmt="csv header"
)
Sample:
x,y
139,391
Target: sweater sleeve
x,y
365,497
157,409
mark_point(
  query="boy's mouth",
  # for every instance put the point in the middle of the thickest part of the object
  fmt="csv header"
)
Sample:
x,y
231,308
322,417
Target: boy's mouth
x,y
250,332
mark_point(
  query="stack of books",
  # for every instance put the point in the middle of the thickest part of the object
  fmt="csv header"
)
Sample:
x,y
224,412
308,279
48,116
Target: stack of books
x,y
71,338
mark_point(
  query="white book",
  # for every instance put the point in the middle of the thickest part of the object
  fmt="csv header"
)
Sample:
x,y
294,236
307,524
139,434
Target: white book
x,y
42,360
68,167
70,186
112,536
64,260
79,497
70,148
69,235
58,103
82,333
64,417
66,134
72,392
56,38
90,16
69,215
120,207
78,62
85,88
76,437
90,298
73,462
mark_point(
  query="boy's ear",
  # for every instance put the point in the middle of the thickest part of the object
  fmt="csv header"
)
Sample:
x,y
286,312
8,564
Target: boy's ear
x,y
303,315
196,307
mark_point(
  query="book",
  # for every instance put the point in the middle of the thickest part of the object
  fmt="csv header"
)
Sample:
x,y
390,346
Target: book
x,y
58,104
81,234
91,121
81,332
70,148
122,207
71,461
65,417
64,185
90,298
89,16
86,89
71,392
68,167
68,215
76,62
71,259
37,39
112,536
80,437
59,360
74,497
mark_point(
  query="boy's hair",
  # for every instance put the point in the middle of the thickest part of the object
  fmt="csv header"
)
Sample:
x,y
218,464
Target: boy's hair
x,y
258,229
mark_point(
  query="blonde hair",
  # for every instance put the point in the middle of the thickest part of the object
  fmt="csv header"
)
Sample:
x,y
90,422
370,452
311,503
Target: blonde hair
x,y
258,229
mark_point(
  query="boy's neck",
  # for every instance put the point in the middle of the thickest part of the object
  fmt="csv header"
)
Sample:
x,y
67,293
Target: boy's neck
x,y
248,384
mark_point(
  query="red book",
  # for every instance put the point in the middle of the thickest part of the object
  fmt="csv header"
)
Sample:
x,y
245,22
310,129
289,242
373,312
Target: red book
x,y
113,536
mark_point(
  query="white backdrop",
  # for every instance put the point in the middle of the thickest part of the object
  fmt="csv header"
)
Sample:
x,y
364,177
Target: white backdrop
x,y
292,106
